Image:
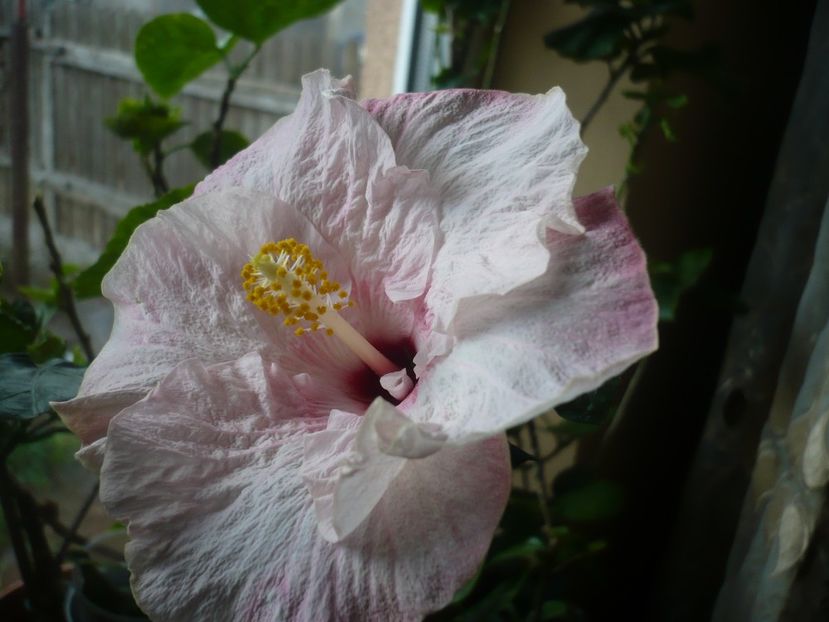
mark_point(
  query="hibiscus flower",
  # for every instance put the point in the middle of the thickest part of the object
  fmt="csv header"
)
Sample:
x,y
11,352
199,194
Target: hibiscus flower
x,y
322,437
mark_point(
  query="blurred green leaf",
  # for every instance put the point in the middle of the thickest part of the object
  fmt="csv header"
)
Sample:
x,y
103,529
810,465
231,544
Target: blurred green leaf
x,y
88,282
19,325
171,50
580,497
667,130
526,551
46,346
595,407
46,295
145,122
257,20
232,143
599,35
670,279
26,388
553,610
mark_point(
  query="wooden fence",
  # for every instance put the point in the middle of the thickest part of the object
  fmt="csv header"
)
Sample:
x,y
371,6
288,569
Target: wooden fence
x,y
81,66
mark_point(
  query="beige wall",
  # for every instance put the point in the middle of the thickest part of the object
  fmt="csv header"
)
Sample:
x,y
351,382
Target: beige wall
x,y
382,30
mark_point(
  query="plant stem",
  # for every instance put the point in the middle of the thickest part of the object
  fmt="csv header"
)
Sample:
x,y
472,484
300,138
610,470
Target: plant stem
x,y
49,514
224,107
159,179
492,57
67,298
72,533
614,76
540,476
43,584
12,516
624,403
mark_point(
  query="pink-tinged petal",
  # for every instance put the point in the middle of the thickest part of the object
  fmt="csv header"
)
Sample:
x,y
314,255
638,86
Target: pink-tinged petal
x,y
211,491
177,294
88,416
505,166
335,164
587,319
348,471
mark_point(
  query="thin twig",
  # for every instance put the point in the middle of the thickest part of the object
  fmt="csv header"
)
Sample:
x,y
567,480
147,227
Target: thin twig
x,y
8,500
497,31
614,76
46,574
224,107
67,298
159,179
76,523
624,403
540,476
49,514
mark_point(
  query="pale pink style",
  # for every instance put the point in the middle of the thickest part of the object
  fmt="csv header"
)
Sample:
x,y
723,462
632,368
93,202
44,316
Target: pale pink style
x,y
260,475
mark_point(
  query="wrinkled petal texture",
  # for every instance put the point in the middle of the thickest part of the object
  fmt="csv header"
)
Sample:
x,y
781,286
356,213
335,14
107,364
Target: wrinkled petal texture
x,y
504,166
177,294
588,318
205,471
331,161
349,466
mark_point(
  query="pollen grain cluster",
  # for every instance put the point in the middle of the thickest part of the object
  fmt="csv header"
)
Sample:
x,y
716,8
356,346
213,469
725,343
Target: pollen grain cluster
x,y
284,278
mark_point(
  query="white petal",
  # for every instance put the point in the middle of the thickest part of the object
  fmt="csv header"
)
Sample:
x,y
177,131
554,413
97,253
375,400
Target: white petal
x,y
336,165
505,166
348,472
586,320
223,528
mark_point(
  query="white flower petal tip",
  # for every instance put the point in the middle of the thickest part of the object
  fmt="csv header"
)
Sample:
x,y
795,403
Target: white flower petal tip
x,y
387,429
321,81
349,466
397,383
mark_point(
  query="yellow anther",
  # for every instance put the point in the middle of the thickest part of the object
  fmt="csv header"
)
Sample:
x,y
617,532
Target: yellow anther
x,y
284,278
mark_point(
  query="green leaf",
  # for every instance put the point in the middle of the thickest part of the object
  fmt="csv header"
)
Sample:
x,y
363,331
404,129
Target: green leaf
x,y
595,500
145,122
667,130
600,35
671,279
88,282
46,346
171,50
257,20
26,388
595,407
19,325
553,610
231,144
526,551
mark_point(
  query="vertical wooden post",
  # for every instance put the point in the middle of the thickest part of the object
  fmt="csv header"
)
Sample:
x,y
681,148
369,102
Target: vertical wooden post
x,y
19,144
